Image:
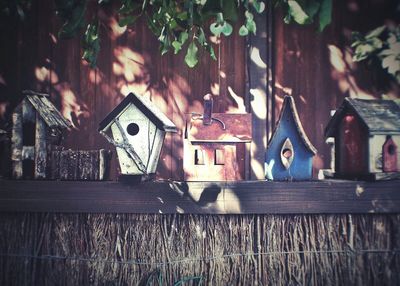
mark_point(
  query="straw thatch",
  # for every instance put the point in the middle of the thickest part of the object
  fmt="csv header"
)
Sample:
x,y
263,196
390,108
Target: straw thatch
x,y
129,249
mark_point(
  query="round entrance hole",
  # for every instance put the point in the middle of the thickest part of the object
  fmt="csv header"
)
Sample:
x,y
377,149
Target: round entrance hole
x,y
132,129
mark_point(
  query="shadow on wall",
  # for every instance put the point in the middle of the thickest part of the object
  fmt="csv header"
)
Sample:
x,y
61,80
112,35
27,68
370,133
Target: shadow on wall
x,y
129,61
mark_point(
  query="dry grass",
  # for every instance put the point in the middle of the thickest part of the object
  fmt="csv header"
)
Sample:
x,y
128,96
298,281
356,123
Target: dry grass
x,y
128,249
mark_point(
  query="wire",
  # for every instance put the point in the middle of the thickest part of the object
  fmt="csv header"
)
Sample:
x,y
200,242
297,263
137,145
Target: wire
x,y
188,260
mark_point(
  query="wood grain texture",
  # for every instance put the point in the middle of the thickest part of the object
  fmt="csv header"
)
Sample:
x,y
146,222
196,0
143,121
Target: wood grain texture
x,y
331,196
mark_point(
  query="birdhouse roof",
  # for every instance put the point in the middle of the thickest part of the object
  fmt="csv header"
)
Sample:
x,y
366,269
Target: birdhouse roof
x,y
148,108
237,129
47,111
379,116
290,107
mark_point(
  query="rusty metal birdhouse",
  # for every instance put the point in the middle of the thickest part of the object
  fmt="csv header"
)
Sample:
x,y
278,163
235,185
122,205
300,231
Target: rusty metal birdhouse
x,y
138,129
366,135
215,145
289,152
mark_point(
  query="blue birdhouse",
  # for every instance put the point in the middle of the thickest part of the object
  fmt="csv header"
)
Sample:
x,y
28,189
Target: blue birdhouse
x,y
289,152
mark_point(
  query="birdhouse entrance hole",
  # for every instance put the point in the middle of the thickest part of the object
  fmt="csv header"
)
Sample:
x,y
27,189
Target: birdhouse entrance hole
x,y
28,134
28,168
132,129
198,157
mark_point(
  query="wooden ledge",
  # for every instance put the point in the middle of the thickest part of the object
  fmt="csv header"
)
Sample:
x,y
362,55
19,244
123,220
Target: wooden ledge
x,y
329,196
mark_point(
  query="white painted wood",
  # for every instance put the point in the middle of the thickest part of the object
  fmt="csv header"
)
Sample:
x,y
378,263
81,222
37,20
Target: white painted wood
x,y
375,152
156,150
141,142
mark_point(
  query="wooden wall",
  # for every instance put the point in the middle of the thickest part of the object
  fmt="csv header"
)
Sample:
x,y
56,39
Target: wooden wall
x,y
312,67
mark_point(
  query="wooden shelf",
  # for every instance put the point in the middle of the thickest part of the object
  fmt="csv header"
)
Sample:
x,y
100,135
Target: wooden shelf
x,y
329,196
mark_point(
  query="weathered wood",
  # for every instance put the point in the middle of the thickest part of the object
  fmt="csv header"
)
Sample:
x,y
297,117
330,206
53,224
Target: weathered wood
x,y
73,165
330,196
16,143
48,112
40,148
28,153
54,168
95,164
85,166
104,164
64,163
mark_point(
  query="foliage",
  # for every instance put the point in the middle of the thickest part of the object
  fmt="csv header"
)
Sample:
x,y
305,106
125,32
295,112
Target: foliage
x,y
304,12
381,44
179,25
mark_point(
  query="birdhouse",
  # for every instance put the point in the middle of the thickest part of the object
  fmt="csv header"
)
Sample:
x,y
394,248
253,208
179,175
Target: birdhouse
x,y
366,135
289,151
37,126
214,145
138,130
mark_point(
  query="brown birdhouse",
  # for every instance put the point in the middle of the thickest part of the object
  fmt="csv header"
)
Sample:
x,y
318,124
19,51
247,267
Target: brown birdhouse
x,y
215,145
37,126
366,135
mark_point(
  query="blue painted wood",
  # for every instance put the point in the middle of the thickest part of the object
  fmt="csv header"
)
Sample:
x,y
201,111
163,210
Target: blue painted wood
x,y
301,167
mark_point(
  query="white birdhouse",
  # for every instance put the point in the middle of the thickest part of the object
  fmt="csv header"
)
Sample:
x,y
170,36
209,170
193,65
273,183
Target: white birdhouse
x,y
138,129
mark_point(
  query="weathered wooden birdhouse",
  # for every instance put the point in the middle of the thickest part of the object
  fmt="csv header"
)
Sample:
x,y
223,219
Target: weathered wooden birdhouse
x,y
367,139
289,151
214,145
138,130
37,127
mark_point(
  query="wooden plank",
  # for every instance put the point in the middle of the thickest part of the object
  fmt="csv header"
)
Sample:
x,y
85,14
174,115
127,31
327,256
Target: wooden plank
x,y
330,196
40,148
16,143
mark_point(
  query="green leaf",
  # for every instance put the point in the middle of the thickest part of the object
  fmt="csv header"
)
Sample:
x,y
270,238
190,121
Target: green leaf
x,y
325,14
183,36
75,22
249,15
91,44
259,6
391,64
251,26
311,7
227,29
297,13
220,18
177,46
375,33
201,38
191,55
210,49
243,31
216,29
182,16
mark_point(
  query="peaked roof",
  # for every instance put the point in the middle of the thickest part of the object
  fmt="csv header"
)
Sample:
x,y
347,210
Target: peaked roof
x,y
144,105
47,111
378,115
288,102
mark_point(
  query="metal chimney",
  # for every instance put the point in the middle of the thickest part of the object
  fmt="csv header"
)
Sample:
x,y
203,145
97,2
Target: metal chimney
x,y
208,107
